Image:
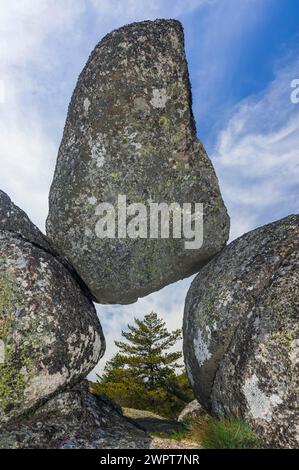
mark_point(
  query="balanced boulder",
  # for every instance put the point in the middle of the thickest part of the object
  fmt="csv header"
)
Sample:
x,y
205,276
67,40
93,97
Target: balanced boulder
x,y
241,335
130,133
50,335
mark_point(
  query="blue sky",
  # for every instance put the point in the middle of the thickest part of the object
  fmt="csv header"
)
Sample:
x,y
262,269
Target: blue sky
x,y
242,57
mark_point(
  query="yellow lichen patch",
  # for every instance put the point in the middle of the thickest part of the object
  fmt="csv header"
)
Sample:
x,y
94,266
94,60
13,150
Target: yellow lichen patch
x,y
6,306
164,121
16,366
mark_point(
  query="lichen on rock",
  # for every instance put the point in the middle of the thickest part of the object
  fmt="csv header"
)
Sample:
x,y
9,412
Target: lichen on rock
x,y
241,332
130,131
74,419
50,335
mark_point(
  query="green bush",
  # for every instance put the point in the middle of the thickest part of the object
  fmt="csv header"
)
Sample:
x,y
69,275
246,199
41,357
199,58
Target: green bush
x,y
225,434
128,392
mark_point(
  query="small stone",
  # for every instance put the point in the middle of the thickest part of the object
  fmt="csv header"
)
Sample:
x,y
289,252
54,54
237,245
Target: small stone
x,y
191,412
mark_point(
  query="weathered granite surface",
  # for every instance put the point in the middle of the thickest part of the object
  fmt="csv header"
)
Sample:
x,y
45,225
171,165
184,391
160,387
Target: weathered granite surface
x,y
50,335
130,131
241,338
74,419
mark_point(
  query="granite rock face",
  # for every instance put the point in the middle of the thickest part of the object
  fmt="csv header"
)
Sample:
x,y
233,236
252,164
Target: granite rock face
x,y
50,335
14,220
74,419
241,338
130,132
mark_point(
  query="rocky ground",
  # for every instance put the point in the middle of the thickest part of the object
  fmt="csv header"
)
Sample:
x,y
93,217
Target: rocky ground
x,y
158,426
76,419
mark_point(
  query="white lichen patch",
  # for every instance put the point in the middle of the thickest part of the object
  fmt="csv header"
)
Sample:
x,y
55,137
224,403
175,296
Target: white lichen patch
x,y
21,262
86,106
76,348
92,200
97,345
294,352
137,145
159,98
98,152
201,345
124,45
260,405
45,384
2,352
225,298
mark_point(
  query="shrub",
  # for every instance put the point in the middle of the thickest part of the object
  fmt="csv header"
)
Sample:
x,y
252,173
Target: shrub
x,y
231,433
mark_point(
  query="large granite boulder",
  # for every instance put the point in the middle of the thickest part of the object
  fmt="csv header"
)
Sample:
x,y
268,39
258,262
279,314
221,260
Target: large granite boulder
x,y
50,335
130,132
241,338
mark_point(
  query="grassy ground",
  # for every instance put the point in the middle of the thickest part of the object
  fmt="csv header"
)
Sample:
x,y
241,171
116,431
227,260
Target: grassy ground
x,y
210,433
205,432
224,434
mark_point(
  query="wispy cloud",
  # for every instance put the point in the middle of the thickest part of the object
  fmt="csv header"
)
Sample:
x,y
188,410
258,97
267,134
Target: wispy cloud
x,y
218,43
26,24
27,150
257,156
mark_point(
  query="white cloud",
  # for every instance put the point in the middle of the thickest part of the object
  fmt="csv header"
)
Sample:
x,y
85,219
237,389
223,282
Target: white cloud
x,y
256,155
26,24
28,151
136,10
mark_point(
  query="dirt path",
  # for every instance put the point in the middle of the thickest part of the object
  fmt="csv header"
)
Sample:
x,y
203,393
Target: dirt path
x,y
159,443
155,425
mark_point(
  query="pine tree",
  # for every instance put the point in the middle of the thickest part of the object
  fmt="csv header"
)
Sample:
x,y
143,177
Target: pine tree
x,y
146,353
143,373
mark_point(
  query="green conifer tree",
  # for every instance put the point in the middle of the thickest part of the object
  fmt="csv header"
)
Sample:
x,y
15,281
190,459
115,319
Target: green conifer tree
x,y
143,374
146,353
